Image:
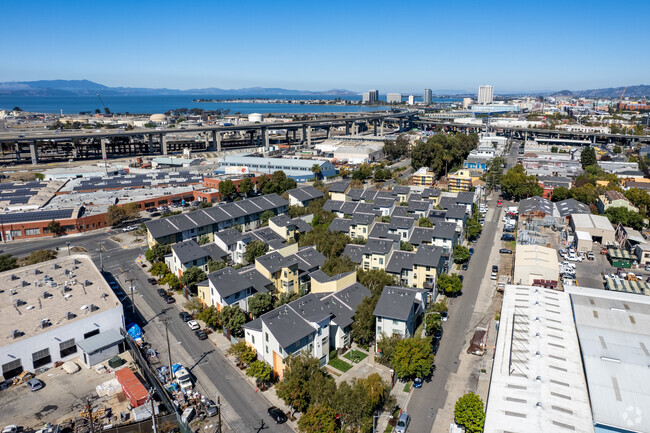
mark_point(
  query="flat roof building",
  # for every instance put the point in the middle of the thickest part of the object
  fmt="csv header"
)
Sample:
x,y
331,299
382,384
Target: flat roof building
x,y
297,169
597,226
534,262
537,382
48,308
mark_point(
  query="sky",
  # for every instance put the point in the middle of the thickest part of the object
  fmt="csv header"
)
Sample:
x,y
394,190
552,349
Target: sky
x,y
313,45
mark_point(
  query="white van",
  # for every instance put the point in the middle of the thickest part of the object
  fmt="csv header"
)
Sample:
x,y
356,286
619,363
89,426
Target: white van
x,y
183,378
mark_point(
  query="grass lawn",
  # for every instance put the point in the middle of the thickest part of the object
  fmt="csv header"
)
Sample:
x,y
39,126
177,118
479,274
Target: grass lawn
x,y
389,428
407,386
511,245
339,364
355,354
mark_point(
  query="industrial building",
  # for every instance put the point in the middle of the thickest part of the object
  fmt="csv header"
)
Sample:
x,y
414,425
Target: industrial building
x,y
598,227
537,382
298,169
612,330
534,262
52,311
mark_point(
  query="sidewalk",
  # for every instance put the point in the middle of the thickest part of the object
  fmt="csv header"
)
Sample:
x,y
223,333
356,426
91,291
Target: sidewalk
x,y
474,371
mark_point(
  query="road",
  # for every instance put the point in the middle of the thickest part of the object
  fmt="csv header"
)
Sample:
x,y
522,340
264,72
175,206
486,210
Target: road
x,y
245,407
433,394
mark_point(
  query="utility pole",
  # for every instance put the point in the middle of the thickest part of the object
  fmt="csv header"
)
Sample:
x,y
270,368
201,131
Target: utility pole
x,y
219,406
169,354
101,260
131,286
153,411
90,415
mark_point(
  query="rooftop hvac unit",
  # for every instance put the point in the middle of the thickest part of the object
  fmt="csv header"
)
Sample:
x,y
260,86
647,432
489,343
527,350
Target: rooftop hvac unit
x,y
18,302
93,307
12,291
13,277
69,315
37,271
75,267
55,266
53,284
16,334
38,283
76,261
46,295
73,282
66,271
67,289
23,283
86,282
45,323
46,278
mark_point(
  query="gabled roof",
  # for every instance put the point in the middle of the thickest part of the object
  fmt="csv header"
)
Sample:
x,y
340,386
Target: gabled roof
x,y
536,204
228,281
305,193
230,236
354,252
355,194
465,197
446,202
399,261
396,303
399,211
340,186
309,258
333,205
286,325
401,190
431,192
363,219
444,230
456,212
274,261
401,223
419,205
377,246
428,255
343,304
379,230
422,235
310,308
571,206
340,225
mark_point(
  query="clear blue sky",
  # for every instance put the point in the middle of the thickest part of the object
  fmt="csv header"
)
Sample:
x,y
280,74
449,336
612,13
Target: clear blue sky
x,y
357,45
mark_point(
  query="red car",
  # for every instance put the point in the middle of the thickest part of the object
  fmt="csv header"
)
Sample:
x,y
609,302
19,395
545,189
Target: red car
x,y
499,203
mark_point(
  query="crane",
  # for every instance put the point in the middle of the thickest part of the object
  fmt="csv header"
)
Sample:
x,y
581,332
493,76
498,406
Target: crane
x,y
106,109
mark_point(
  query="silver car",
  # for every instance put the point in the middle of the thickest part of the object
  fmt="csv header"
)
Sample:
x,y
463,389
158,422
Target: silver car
x,y
35,384
403,423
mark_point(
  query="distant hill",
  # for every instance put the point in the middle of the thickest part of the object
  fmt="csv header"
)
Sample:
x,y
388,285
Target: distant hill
x,y
86,87
639,91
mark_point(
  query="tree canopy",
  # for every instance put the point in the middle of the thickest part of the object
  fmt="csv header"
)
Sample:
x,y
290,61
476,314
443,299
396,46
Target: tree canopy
x,y
461,254
588,157
413,357
443,152
450,285
157,252
625,217
469,413
7,262
260,303
318,419
227,189
254,249
192,276
515,184
233,319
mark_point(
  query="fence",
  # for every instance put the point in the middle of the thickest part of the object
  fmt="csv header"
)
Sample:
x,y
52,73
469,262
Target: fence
x,y
164,423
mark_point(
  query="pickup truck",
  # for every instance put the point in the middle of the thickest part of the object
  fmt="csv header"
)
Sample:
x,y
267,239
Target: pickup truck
x,y
183,378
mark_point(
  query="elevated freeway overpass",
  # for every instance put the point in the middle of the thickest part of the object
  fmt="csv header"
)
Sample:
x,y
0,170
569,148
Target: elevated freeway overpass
x,y
27,147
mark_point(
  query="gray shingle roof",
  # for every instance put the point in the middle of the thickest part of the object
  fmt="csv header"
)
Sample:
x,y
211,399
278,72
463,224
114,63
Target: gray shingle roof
x,y
536,204
457,212
428,255
377,246
431,192
274,261
355,194
309,258
401,223
322,277
444,230
401,190
399,261
571,206
286,325
379,230
343,304
228,281
190,250
362,219
340,225
422,235
340,186
396,303
354,252
305,193
399,211
230,236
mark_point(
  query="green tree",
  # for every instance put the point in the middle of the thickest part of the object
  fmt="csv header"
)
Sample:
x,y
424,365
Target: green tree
x,y
352,404
39,176
398,148
227,189
375,280
617,150
159,268
425,222
233,319
450,285
131,210
172,281
639,198
294,389
210,316
413,357
157,252
254,249
259,304
438,307
327,243
461,254
554,149
193,305
364,172
260,370
205,204
433,325
561,193
55,228
363,327
469,413
204,240
114,215
386,346
318,419
338,265
588,157
517,185
40,256
473,229
625,217
494,173
246,186
406,246
7,262
192,276
242,352
214,265
266,216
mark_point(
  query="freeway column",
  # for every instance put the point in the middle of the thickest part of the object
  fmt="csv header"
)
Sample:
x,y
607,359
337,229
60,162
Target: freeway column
x,y
163,144
33,151
103,146
267,139
309,136
374,128
216,141
150,144
381,128
347,128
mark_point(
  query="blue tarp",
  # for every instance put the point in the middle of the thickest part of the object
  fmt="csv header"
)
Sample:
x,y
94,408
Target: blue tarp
x,y
135,332
176,367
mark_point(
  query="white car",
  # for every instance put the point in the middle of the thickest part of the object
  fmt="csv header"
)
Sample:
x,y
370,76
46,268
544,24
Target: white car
x,y
193,325
13,428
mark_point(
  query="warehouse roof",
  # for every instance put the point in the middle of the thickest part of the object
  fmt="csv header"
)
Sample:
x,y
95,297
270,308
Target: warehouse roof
x,y
271,162
591,222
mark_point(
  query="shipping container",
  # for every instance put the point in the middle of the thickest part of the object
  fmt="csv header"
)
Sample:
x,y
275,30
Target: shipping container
x,y
132,387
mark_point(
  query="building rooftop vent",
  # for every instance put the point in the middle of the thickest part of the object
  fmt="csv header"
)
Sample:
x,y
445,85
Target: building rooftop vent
x,y
23,283
16,334
55,266
13,277
45,323
46,295
93,307
37,271
70,315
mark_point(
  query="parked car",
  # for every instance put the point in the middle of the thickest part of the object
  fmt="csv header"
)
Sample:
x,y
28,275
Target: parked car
x,y
508,229
505,251
161,292
464,266
471,252
507,237
193,324
13,428
35,384
499,203
403,423
170,299
152,281
417,382
444,316
185,316
200,334
278,416
209,407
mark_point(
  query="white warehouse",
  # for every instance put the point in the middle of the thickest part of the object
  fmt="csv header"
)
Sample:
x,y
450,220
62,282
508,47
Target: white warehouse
x,y
48,308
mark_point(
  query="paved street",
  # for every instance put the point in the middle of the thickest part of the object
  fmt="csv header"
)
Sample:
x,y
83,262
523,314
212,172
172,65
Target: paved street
x,y
243,409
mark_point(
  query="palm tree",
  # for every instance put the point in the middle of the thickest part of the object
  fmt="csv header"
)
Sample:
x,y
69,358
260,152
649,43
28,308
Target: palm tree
x,y
316,170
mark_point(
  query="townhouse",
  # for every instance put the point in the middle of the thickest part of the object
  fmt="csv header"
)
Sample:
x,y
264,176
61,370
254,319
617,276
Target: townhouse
x,y
399,311
229,287
303,196
190,254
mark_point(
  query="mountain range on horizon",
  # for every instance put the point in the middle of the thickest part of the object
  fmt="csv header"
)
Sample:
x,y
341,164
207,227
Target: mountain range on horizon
x,y
87,87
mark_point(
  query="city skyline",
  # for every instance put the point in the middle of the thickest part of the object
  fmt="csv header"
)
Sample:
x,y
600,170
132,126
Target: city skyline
x,y
318,47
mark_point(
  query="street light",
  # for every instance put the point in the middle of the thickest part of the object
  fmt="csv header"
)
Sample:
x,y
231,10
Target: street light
x,y
374,418
68,244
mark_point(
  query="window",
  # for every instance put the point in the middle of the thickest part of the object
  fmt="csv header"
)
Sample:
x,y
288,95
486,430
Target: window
x,y
237,295
253,339
68,347
32,232
91,333
41,358
378,329
395,323
381,261
14,233
266,335
267,349
320,331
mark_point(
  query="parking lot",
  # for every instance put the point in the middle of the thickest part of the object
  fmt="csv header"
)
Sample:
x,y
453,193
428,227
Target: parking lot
x,y
62,398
